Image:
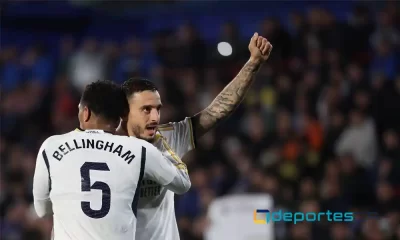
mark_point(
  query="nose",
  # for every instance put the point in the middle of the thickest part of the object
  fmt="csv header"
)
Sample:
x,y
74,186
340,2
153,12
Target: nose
x,y
154,115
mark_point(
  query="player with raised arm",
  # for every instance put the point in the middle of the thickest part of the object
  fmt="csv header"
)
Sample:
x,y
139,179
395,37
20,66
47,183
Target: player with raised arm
x,y
89,179
156,211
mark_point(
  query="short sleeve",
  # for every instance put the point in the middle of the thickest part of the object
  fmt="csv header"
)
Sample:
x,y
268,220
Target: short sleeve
x,y
179,136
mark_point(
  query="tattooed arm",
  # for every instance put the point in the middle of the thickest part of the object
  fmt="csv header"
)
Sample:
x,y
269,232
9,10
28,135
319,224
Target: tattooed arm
x,y
226,101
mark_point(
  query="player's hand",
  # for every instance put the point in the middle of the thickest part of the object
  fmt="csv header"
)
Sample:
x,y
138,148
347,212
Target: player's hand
x,y
260,48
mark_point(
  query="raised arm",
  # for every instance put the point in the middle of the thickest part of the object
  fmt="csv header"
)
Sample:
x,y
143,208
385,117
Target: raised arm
x,y
231,96
166,170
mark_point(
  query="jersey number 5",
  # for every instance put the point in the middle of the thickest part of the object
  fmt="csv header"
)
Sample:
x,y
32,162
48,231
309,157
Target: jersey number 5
x,y
87,187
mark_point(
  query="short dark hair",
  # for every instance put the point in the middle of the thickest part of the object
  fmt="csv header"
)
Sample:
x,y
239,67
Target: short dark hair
x,y
134,85
106,99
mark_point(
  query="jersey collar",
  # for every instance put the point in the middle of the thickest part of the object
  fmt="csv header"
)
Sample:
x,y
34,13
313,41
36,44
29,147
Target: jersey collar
x,y
158,136
92,130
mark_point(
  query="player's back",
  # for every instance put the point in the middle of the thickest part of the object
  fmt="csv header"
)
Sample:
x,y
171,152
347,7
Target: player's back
x,y
94,176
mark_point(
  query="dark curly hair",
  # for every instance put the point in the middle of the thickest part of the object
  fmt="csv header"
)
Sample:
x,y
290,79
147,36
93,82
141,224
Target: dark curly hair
x,y
105,99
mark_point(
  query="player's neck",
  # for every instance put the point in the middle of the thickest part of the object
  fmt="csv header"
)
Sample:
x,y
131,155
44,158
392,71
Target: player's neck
x,y
122,129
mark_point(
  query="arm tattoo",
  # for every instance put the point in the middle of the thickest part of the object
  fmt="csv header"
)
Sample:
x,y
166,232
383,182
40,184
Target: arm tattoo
x,y
226,101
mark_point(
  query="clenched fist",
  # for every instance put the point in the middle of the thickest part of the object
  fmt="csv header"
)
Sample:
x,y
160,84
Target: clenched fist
x,y
259,48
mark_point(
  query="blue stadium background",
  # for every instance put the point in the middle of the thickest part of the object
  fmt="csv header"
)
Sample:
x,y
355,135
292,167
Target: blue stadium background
x,y
319,129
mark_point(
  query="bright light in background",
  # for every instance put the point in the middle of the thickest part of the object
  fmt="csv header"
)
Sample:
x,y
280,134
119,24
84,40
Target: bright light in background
x,y
224,48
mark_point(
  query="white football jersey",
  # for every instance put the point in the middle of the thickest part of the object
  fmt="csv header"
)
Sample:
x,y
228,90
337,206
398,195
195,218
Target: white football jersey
x,y
89,180
156,209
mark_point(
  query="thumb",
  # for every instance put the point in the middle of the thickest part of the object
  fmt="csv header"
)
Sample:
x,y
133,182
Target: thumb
x,y
254,38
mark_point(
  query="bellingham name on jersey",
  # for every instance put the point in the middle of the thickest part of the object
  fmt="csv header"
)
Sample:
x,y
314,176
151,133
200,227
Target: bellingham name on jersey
x,y
66,148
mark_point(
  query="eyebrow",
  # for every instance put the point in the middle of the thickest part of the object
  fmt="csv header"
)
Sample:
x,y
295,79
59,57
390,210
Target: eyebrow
x,y
157,106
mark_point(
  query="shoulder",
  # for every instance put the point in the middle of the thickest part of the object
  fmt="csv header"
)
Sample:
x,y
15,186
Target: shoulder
x,y
50,142
139,142
166,127
149,148
60,137
176,126
51,139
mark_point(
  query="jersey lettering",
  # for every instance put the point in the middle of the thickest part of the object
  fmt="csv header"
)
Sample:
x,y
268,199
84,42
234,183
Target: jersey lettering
x,y
127,155
87,187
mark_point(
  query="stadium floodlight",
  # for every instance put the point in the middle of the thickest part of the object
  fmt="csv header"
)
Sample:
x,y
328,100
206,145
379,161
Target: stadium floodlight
x,y
224,48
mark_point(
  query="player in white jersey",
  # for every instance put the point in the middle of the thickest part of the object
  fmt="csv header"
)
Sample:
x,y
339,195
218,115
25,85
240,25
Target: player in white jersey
x,y
156,211
90,179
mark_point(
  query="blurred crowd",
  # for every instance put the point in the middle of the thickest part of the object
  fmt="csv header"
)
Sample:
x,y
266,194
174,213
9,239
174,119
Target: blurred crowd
x,y
318,130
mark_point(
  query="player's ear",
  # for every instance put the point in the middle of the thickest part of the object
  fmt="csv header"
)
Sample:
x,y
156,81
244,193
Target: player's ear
x,y
86,114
